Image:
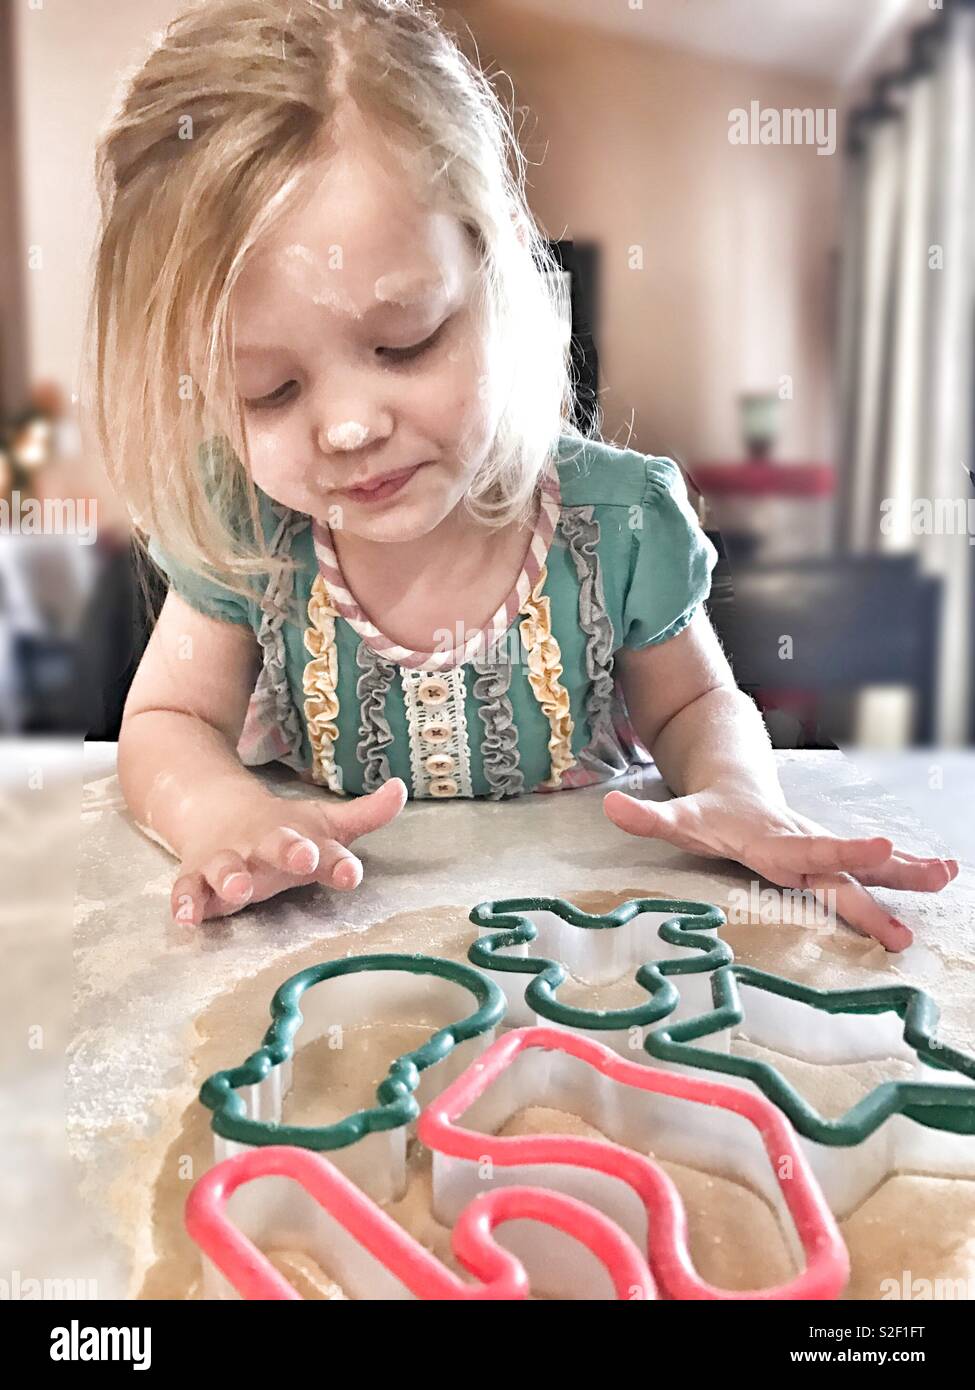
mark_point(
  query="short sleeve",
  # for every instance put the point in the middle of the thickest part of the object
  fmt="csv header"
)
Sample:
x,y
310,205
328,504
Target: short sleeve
x,y
207,596
671,560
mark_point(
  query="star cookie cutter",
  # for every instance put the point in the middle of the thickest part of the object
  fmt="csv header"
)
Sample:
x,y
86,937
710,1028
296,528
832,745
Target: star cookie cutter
x,y
295,1196
709,1124
920,1124
631,941
369,1144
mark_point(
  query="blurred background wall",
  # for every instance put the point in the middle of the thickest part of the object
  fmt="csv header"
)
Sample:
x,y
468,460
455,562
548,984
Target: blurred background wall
x,y
736,286
756,311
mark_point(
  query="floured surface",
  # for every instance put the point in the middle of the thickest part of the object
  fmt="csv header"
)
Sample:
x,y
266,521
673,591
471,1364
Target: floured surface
x,y
330,1082
913,1228
831,1090
159,1007
46,1234
734,1238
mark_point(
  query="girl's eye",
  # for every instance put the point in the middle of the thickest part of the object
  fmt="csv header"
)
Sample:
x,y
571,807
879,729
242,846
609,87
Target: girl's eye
x,y
408,354
268,402
392,355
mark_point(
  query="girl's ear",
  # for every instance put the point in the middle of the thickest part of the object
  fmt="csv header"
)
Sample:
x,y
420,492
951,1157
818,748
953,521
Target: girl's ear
x,y
520,231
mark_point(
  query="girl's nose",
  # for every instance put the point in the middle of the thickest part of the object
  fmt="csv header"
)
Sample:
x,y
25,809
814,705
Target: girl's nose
x,y
348,434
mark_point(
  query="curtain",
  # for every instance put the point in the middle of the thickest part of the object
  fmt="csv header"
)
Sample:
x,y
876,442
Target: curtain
x,y
907,368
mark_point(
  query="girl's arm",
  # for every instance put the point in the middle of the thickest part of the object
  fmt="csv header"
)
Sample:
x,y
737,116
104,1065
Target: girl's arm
x,y
183,716
711,747
185,785
699,726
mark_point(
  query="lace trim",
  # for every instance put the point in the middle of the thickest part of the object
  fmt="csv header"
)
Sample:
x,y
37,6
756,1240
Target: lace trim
x,y
450,712
544,668
319,683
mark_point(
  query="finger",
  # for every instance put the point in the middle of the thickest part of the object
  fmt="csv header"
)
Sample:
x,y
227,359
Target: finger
x,y
189,899
338,866
952,864
229,877
825,854
366,813
655,819
880,875
860,910
316,860
919,875
288,850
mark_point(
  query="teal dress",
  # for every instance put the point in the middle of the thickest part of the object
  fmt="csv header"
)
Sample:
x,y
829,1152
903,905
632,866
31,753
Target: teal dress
x,y
529,703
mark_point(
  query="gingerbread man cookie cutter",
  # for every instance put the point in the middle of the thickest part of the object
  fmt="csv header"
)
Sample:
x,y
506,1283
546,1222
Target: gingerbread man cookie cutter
x,y
369,1144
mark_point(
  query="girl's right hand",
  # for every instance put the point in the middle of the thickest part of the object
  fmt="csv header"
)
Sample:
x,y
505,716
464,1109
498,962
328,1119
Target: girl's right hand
x,y
276,843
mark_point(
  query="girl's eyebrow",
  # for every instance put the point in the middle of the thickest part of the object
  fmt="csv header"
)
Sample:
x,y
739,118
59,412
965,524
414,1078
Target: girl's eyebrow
x,y
412,292
403,290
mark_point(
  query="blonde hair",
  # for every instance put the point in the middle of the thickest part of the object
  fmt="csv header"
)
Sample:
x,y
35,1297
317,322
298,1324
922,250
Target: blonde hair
x,y
205,153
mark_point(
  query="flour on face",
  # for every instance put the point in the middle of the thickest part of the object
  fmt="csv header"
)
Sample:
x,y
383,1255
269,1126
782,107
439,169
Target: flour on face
x,y
350,435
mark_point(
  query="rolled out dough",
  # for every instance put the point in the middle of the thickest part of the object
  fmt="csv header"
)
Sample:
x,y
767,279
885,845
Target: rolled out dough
x,y
925,1225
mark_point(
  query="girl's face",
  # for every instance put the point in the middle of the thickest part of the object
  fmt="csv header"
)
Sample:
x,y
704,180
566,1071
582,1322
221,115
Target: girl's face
x,y
357,354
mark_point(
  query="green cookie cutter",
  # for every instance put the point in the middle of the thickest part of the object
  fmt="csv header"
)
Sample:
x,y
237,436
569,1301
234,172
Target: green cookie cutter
x,y
395,1095
689,927
941,1107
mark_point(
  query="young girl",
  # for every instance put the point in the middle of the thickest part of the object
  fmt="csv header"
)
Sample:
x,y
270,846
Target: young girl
x,y
332,381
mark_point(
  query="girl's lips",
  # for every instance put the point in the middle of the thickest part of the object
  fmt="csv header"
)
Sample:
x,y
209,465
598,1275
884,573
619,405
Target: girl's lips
x,y
387,488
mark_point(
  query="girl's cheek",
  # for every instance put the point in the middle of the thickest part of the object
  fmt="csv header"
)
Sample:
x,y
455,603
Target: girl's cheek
x,y
476,396
268,469
463,394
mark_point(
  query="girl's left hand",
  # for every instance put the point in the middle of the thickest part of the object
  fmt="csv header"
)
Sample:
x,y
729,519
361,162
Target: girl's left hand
x,y
739,822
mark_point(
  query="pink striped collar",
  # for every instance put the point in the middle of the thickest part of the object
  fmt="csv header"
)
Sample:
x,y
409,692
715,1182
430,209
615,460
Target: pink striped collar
x,y
479,642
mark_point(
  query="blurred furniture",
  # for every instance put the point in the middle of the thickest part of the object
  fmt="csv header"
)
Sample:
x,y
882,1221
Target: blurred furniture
x,y
121,613
796,633
580,267
45,581
768,511
44,668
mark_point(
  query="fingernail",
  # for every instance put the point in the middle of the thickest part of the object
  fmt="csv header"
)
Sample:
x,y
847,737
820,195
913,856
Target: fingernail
x,y
903,930
346,873
302,858
237,885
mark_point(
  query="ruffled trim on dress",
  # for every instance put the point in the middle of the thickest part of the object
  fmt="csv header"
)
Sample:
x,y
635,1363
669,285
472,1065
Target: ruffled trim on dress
x,y
320,682
272,728
499,746
372,688
544,657
580,529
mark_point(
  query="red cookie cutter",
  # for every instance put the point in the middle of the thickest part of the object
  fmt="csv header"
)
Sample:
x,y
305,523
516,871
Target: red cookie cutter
x,y
580,1161
500,1274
